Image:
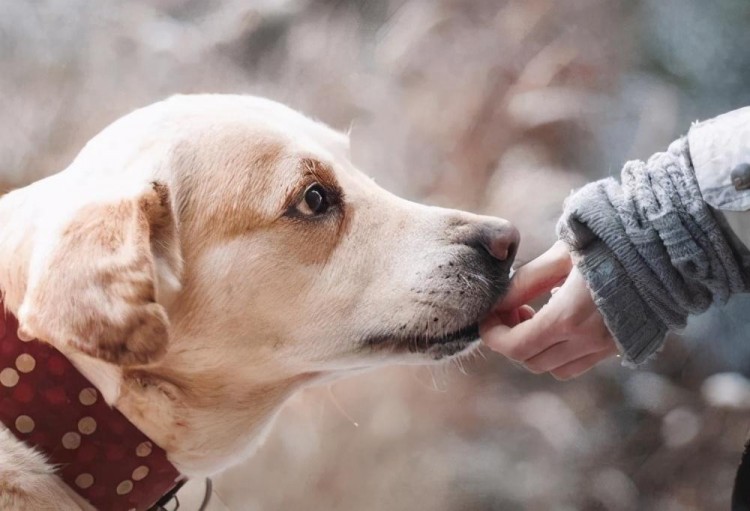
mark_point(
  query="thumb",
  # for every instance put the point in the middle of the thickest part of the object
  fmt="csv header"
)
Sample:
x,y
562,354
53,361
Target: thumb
x,y
537,277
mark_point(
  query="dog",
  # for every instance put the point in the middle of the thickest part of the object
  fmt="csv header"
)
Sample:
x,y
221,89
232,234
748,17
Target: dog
x,y
206,256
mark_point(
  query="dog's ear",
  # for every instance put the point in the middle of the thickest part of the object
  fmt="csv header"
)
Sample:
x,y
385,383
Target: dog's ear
x,y
106,278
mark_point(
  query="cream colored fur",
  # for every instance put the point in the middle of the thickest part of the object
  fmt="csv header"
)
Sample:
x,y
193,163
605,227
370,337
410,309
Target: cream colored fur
x,y
187,218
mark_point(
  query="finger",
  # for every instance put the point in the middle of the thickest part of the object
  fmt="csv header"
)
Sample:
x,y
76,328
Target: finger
x,y
537,277
583,364
563,353
509,318
514,317
524,340
525,313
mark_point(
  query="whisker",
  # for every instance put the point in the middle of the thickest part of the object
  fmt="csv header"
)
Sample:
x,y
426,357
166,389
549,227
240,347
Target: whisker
x,y
435,384
339,407
422,381
460,364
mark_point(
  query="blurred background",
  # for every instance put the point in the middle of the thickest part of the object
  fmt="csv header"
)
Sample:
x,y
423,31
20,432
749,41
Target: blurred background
x,y
497,106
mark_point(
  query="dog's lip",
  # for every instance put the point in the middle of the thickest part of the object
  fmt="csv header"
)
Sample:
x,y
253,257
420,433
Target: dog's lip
x,y
454,343
437,346
468,332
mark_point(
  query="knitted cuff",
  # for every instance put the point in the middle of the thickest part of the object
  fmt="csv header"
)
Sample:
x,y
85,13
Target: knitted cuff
x,y
606,262
649,249
638,332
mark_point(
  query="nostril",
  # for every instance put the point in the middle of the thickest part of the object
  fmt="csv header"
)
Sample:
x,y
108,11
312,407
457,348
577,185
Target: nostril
x,y
494,237
502,242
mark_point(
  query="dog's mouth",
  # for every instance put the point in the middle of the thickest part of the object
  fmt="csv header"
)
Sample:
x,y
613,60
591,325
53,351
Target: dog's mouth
x,y
437,346
448,312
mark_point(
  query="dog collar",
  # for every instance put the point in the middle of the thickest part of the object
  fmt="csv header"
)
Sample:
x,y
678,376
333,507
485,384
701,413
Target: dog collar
x,y
48,404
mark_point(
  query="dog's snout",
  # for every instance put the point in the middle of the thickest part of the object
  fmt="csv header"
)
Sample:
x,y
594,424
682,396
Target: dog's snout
x,y
500,239
496,237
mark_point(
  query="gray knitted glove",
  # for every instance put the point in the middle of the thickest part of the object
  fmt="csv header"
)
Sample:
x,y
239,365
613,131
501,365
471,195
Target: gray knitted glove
x,y
650,250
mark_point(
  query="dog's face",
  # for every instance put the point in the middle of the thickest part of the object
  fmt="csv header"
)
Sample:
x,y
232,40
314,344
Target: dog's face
x,y
259,241
308,261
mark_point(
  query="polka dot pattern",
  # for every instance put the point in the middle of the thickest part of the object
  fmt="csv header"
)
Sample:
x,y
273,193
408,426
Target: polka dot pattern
x,y
25,363
71,440
87,425
125,487
140,473
143,449
47,403
8,377
87,396
84,480
24,424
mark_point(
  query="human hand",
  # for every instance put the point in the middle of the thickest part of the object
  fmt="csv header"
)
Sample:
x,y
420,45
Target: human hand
x,y
567,337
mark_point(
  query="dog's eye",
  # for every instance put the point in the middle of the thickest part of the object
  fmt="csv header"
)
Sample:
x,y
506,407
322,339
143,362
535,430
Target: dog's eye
x,y
315,201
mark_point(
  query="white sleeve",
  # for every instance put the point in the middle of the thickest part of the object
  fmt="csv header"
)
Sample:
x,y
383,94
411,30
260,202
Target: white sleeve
x,y
720,154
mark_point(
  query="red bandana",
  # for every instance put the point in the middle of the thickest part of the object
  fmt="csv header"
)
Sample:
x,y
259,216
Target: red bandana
x,y
49,405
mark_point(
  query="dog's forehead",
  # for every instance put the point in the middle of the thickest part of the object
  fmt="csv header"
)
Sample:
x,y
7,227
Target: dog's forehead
x,y
247,135
260,114
256,133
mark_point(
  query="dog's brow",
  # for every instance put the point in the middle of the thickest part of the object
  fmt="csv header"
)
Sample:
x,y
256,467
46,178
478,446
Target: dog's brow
x,y
322,172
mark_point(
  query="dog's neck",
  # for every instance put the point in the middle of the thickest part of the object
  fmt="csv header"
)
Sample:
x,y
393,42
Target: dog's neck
x,y
202,430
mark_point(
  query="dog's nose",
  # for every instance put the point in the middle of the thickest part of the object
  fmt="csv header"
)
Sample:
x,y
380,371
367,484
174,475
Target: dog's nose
x,y
500,239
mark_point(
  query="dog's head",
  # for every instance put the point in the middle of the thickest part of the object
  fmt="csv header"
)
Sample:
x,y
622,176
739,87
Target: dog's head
x,y
237,233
